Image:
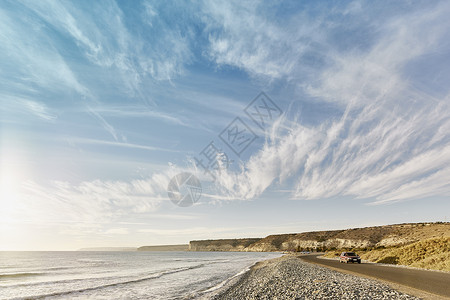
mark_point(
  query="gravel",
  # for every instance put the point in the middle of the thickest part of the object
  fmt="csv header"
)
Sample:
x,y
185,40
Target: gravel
x,y
288,277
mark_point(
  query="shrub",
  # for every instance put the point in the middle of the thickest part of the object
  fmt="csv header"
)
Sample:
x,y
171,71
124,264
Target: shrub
x,y
428,254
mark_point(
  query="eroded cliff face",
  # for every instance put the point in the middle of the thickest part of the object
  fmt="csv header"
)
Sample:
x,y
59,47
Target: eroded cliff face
x,y
222,245
298,244
379,236
164,248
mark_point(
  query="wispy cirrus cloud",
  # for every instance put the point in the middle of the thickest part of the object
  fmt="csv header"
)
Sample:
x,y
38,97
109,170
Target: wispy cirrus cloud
x,y
241,36
105,40
256,37
105,124
390,142
33,62
387,140
73,56
21,105
119,144
39,109
93,201
137,111
96,202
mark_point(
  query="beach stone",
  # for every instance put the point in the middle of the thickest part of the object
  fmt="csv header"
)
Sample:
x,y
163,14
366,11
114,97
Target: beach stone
x,y
288,277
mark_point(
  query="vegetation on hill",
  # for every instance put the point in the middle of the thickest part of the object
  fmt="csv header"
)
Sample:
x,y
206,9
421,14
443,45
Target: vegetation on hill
x,y
433,254
362,238
356,238
429,254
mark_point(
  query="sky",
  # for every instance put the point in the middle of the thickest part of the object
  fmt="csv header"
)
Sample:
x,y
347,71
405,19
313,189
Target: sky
x,y
293,115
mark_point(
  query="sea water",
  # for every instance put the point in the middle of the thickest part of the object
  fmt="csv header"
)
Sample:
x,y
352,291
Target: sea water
x,y
119,275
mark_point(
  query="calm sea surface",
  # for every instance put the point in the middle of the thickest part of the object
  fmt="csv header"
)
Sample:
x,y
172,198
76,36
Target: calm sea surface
x,y
119,275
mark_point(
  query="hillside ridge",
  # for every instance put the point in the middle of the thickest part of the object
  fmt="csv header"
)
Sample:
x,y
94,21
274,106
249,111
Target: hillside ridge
x,y
362,238
183,247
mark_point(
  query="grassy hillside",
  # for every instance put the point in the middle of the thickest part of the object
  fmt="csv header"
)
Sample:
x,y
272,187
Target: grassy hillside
x,y
433,254
429,254
367,237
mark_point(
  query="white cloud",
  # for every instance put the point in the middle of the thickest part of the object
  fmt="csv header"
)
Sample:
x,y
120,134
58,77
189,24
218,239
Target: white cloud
x,y
108,42
56,50
96,202
119,144
242,36
128,111
32,58
361,78
21,105
107,126
391,142
39,109
93,201
372,154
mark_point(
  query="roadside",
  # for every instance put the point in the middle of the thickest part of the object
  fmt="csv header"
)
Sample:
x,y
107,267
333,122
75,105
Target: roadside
x,y
430,254
425,284
364,261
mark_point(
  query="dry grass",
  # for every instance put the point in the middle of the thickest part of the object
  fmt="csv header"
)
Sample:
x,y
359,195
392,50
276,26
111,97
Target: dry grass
x,y
431,254
332,254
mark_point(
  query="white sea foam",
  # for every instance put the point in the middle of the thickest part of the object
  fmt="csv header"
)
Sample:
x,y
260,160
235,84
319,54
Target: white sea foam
x,y
135,275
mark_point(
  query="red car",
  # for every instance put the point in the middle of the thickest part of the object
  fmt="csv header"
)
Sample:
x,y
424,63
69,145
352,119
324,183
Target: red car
x,y
349,257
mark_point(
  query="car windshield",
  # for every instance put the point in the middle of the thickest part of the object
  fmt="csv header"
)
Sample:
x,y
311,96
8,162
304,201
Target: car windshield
x,y
350,254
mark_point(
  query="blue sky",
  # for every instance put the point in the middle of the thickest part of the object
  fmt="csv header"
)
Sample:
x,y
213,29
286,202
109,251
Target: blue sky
x,y
103,103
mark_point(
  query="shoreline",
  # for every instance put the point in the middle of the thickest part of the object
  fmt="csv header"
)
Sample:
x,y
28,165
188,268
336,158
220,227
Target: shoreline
x,y
234,280
288,277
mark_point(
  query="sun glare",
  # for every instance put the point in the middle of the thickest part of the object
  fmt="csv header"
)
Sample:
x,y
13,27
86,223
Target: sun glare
x,y
9,193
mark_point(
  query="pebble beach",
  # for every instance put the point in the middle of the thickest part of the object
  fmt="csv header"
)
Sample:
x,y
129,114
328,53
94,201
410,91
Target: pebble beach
x,y
289,277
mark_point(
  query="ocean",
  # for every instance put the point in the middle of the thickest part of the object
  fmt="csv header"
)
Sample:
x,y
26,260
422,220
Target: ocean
x,y
120,275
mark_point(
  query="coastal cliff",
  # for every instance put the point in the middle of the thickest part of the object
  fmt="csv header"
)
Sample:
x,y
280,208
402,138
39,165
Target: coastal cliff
x,y
164,248
362,238
222,245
